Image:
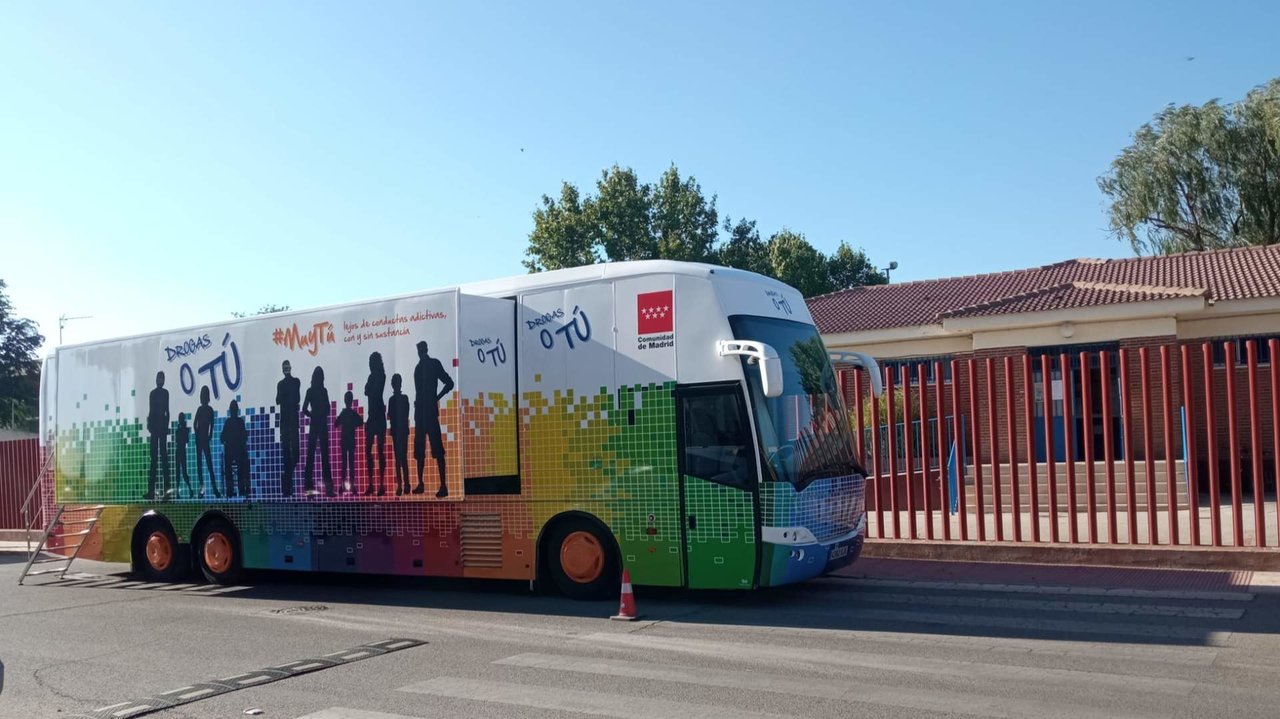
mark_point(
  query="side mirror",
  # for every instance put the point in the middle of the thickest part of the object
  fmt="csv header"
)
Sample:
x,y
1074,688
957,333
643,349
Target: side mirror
x,y
763,356
771,376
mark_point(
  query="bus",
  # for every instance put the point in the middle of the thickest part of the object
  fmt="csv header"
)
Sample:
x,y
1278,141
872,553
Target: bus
x,y
678,420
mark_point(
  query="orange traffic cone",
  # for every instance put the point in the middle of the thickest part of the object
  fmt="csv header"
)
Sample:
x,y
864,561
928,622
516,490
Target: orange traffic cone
x,y
627,606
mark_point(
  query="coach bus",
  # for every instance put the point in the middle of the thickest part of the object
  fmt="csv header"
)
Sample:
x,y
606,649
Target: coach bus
x,y
680,420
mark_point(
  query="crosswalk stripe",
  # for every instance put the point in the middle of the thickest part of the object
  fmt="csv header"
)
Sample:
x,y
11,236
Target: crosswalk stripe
x,y
1051,605
1040,625
1237,596
814,658
858,691
619,706
345,713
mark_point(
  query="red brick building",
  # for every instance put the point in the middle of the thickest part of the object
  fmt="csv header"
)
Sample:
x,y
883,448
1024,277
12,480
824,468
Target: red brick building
x,y
1098,307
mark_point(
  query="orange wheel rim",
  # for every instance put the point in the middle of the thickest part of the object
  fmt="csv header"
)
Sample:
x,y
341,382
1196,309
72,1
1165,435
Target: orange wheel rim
x,y
217,552
582,557
159,551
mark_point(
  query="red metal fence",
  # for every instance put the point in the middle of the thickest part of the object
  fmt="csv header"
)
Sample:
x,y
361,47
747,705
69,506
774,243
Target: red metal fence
x,y
1171,444
19,462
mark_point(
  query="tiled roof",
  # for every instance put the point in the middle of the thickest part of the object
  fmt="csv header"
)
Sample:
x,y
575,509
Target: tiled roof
x,y
1222,275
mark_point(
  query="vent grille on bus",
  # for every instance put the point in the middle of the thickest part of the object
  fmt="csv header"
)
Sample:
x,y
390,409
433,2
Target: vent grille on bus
x,y
482,540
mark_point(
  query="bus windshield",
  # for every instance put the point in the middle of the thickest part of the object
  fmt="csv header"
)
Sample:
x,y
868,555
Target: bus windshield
x,y
804,433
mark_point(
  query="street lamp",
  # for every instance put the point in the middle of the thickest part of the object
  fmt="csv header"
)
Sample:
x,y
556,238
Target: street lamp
x,y
893,265
64,319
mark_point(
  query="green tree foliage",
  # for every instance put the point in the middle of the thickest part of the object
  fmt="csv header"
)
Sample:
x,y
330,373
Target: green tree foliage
x,y
564,233
19,367
263,310
848,267
1200,177
673,219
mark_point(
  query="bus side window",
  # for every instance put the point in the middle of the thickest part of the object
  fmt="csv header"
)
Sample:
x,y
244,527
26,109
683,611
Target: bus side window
x,y
717,445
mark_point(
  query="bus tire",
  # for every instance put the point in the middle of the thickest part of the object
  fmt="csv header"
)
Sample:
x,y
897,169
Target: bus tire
x,y
581,559
155,554
216,547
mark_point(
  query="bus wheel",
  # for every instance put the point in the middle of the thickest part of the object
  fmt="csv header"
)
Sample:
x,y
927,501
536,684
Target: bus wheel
x,y
582,560
217,551
155,552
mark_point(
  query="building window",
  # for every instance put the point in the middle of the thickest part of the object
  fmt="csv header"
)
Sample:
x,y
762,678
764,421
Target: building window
x,y
908,370
1241,347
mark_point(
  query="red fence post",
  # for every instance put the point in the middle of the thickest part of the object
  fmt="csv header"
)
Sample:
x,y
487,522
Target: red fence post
x,y
1211,432
1046,382
1108,449
1274,346
961,500
944,481
1091,490
1170,463
860,440
1148,446
997,507
890,401
908,434
979,509
1255,444
1068,431
1011,422
1130,482
1033,493
1233,431
875,463
1193,491
926,472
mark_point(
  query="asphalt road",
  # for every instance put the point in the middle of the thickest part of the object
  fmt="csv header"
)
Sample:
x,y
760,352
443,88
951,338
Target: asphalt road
x,y
830,648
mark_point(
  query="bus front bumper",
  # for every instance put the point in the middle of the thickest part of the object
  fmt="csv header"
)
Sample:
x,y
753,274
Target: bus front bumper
x,y
790,556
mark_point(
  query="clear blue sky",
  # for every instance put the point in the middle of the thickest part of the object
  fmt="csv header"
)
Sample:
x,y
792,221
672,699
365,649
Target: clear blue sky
x,y
164,164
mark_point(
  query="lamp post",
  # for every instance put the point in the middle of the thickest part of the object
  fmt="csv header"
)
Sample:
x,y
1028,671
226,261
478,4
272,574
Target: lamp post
x,y
64,319
893,265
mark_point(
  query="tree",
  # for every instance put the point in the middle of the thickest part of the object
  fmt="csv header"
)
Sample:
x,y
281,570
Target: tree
x,y
684,222
672,219
19,367
744,249
263,310
847,267
1200,177
563,234
620,212
796,262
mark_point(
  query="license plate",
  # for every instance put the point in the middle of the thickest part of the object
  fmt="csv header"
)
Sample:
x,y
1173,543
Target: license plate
x,y
838,552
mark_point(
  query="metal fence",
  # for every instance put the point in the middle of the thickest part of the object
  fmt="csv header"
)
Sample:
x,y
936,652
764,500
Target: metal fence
x,y
1171,444
19,462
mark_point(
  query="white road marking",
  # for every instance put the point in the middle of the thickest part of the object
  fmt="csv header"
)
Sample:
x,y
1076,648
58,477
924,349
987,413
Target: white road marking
x,y
855,691
1050,605
1048,589
619,706
345,713
807,658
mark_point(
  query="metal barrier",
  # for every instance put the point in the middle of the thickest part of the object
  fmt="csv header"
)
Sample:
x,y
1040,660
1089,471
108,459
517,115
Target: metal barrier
x,y
19,463
1172,445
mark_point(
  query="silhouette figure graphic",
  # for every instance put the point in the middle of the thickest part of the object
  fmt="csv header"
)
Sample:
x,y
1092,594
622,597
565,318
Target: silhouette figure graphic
x,y
399,412
375,423
235,452
348,420
203,426
158,428
181,437
316,407
430,385
288,398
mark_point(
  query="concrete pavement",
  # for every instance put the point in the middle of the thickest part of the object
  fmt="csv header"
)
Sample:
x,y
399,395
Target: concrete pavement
x,y
890,639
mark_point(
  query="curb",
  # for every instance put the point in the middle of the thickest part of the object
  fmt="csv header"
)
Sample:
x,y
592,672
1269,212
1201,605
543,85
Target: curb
x,y
1244,558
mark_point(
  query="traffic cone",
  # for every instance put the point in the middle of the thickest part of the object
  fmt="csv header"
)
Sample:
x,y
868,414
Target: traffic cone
x,y
627,606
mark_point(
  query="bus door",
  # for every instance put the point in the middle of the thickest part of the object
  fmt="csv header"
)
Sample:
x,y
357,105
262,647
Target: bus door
x,y
718,482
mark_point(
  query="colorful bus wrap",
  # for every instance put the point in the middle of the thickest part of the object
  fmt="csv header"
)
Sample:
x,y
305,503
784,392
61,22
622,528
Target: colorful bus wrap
x,y
679,420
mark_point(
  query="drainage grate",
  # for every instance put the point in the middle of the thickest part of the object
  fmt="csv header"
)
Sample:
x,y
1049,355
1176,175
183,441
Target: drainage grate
x,y
300,610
